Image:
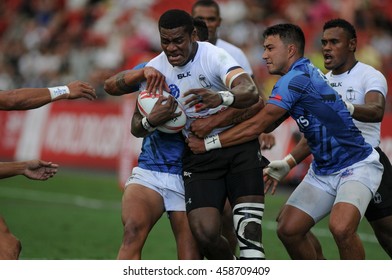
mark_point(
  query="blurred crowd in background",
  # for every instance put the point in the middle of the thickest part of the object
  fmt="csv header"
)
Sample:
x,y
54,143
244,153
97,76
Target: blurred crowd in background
x,y
51,42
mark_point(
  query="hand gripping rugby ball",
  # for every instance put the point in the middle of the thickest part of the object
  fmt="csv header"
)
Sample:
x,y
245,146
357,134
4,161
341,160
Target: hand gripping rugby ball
x,y
145,103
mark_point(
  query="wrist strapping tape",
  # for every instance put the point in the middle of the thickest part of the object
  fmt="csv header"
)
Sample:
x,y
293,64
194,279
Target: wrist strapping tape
x,y
212,142
57,91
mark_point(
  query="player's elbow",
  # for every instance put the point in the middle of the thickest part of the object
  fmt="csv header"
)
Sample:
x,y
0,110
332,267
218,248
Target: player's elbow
x,y
253,95
107,86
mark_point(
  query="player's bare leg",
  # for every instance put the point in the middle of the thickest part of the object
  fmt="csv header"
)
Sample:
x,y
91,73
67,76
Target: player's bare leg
x,y
187,248
293,226
10,246
343,224
141,209
316,244
207,232
383,231
228,230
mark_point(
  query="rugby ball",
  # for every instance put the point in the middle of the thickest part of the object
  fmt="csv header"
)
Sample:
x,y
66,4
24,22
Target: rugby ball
x,y
145,103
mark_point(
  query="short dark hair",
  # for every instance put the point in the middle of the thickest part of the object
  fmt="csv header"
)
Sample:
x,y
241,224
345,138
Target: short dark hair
x,y
342,23
206,3
176,18
288,33
201,29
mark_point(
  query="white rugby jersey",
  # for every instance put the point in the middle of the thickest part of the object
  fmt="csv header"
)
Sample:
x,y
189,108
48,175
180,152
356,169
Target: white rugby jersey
x,y
209,69
236,53
353,86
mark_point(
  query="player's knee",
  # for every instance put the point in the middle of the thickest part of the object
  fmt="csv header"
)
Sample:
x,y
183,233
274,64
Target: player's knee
x,y
284,232
10,247
341,231
206,237
133,232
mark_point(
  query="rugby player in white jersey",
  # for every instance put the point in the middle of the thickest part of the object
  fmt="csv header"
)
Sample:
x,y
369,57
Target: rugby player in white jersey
x,y
207,80
188,64
364,90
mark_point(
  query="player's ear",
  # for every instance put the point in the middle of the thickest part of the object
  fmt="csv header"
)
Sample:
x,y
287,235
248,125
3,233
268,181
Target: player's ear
x,y
291,49
194,36
352,44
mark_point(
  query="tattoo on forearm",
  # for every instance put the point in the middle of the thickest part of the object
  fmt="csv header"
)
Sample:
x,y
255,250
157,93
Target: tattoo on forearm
x,y
120,83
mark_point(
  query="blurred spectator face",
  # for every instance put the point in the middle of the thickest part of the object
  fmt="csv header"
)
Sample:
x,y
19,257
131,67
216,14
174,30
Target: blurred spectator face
x,y
212,19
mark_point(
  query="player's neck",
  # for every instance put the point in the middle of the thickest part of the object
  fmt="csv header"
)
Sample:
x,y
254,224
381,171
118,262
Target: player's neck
x,y
346,68
195,47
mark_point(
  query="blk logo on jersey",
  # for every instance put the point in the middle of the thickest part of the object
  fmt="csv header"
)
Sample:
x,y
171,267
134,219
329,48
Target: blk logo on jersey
x,y
336,84
184,75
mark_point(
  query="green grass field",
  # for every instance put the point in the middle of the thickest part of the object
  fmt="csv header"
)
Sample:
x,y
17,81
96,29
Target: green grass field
x,y
77,216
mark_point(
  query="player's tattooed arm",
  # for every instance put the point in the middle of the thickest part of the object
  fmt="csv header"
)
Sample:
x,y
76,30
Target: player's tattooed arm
x,y
124,82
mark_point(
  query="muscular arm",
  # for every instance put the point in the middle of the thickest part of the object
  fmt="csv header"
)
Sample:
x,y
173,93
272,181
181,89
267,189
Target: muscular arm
x,y
129,81
31,98
300,151
203,127
32,169
243,89
252,128
124,82
137,129
245,92
372,110
245,131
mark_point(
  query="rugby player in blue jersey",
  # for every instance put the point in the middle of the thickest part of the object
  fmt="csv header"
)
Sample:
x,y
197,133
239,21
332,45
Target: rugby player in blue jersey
x,y
345,172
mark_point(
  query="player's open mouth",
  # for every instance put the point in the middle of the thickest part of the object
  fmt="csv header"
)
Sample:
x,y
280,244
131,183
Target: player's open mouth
x,y
174,58
327,58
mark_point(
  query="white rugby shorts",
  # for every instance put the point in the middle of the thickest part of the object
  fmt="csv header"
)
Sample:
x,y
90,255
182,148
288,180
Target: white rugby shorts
x,y
169,186
356,185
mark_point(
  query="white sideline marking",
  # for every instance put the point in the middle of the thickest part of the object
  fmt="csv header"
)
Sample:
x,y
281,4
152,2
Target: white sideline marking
x,y
50,197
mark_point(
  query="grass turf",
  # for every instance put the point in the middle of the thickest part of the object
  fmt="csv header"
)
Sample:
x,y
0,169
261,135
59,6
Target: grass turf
x,y
77,215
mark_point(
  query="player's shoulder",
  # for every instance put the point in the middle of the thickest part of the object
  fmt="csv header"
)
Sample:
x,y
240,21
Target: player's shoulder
x,y
365,71
159,59
226,45
207,47
210,51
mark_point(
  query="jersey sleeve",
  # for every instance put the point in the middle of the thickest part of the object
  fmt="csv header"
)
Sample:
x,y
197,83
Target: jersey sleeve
x,y
376,81
225,64
288,90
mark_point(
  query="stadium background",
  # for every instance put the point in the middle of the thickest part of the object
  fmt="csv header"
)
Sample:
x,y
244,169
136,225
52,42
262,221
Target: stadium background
x,y
51,42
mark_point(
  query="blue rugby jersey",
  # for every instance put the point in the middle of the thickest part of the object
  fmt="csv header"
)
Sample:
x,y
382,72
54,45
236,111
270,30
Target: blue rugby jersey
x,y
162,152
322,117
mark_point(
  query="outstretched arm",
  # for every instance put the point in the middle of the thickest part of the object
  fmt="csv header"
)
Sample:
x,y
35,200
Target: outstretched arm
x,y
32,169
202,127
241,133
278,169
129,81
31,98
